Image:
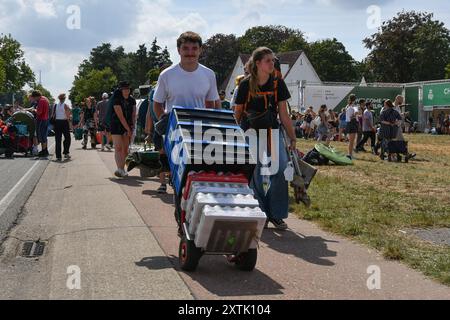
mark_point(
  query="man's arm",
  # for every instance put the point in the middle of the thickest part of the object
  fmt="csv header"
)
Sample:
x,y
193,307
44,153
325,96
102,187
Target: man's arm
x,y
159,109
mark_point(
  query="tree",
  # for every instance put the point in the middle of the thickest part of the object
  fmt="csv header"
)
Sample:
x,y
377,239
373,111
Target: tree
x,y
103,57
2,75
447,72
132,66
410,47
219,54
277,38
332,61
15,72
94,84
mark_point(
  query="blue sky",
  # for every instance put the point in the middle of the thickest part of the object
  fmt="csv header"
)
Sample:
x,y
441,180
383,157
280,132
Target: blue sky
x,y
40,25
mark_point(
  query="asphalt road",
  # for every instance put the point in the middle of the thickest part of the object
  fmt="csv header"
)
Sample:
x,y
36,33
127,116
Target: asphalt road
x,y
18,178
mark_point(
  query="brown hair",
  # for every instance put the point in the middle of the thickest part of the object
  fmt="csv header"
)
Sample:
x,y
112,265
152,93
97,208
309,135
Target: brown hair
x,y
189,37
257,55
351,99
389,103
36,94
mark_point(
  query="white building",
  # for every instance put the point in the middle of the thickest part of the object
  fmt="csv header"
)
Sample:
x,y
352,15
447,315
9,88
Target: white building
x,y
295,67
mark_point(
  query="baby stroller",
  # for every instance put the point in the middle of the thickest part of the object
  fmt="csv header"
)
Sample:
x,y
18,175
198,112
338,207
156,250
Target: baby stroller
x,y
400,148
16,134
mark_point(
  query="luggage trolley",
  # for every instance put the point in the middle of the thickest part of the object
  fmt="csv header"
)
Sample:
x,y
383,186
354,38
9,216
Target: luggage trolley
x,y
214,205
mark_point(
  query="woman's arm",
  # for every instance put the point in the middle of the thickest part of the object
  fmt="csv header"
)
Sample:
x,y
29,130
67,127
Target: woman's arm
x,y
238,112
118,111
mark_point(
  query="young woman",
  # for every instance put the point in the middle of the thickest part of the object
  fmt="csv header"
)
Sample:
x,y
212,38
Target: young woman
x,y
342,125
390,124
323,129
351,112
261,100
89,123
122,126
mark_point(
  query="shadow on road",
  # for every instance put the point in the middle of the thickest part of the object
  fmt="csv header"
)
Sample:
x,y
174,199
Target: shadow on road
x,y
155,263
129,181
311,249
166,198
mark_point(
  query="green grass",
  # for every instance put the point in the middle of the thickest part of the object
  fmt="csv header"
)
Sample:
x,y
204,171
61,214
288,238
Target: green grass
x,y
374,201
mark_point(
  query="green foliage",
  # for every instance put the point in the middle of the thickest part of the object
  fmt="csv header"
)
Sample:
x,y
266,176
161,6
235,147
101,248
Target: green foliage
x,y
220,53
332,61
277,38
410,47
133,67
14,72
94,84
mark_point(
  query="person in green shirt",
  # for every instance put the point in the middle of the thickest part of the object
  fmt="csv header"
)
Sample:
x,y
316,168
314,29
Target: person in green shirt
x,y
76,112
226,105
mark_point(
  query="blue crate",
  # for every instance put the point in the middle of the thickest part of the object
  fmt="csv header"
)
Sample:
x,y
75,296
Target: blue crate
x,y
177,143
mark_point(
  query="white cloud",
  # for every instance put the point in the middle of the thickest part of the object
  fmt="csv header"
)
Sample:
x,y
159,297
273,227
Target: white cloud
x,y
45,8
57,68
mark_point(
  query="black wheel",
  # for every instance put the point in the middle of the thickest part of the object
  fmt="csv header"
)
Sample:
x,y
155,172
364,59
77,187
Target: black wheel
x,y
177,212
247,261
399,158
189,255
407,159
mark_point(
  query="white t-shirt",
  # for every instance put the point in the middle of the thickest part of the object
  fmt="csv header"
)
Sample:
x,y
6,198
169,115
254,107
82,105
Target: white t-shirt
x,y
350,113
177,87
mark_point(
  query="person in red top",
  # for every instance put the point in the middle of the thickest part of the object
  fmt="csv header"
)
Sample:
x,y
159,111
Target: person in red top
x,y
42,113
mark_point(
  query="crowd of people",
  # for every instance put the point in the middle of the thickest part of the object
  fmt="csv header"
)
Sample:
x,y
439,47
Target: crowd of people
x,y
259,102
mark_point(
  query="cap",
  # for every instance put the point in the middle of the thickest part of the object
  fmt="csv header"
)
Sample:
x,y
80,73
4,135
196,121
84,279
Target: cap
x,y
105,96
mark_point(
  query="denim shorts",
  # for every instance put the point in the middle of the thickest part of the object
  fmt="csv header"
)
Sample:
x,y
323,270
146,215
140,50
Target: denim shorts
x,y
42,130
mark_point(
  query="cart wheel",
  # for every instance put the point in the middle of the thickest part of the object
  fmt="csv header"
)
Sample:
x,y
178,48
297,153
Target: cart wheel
x,y
189,255
407,159
399,158
247,261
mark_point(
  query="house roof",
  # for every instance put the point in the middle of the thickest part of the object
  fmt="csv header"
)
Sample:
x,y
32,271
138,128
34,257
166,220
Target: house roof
x,y
289,58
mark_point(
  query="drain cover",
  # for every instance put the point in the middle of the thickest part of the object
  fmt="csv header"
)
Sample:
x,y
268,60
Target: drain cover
x,y
33,249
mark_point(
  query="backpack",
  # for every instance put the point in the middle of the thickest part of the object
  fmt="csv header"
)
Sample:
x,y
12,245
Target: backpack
x,y
142,114
315,158
265,119
110,108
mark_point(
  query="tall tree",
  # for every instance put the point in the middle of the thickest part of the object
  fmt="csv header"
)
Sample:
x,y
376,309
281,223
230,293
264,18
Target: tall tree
x,y
16,72
277,38
94,84
410,47
447,72
332,61
220,53
2,74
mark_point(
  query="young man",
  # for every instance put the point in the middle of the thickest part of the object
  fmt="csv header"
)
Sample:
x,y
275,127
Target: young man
x,y
187,84
102,109
42,113
225,104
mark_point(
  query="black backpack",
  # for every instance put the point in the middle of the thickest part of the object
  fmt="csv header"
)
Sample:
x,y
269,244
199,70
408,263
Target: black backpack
x,y
314,158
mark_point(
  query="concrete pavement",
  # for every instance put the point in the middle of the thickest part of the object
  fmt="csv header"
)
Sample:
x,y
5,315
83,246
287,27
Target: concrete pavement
x,y
301,263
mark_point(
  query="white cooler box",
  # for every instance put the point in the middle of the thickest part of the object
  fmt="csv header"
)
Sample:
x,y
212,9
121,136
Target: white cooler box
x,y
229,230
214,187
201,200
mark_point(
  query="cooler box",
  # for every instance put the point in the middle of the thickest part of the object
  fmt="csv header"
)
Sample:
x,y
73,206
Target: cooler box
x,y
229,230
201,200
